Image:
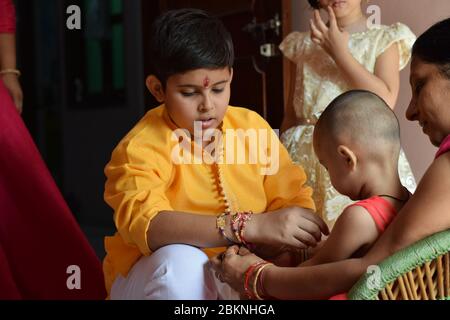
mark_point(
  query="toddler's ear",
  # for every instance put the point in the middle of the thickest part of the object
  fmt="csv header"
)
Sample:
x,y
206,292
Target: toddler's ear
x,y
155,87
348,156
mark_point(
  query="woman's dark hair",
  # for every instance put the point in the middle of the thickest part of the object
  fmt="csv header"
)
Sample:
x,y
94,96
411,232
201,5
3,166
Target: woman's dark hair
x,y
314,3
188,39
433,46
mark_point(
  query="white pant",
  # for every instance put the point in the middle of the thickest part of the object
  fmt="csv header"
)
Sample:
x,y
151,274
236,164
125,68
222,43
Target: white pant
x,y
174,272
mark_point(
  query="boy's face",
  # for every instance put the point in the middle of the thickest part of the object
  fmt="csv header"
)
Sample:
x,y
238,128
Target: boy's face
x,y
198,95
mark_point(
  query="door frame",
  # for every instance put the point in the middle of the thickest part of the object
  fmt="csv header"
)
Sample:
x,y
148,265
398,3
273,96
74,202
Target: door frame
x,y
286,7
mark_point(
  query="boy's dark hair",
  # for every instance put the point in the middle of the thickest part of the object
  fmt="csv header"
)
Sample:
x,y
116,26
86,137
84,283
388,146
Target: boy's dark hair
x,y
187,39
314,3
433,46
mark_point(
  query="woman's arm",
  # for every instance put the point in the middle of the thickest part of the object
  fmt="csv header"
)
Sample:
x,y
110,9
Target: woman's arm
x,y
354,230
8,66
426,213
315,282
8,52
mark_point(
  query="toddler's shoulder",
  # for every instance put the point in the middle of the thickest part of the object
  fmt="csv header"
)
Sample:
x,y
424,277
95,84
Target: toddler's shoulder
x,y
355,216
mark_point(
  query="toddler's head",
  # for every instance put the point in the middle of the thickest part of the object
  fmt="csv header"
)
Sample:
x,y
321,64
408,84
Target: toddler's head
x,y
356,138
192,60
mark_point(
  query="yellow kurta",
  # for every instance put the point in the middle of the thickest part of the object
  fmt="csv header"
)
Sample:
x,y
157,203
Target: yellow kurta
x,y
143,180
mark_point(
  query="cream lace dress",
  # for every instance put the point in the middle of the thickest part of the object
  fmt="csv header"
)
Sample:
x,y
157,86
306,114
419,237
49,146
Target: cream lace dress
x,y
318,82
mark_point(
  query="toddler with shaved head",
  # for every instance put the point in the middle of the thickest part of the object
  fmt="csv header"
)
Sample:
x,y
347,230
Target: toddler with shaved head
x,y
357,139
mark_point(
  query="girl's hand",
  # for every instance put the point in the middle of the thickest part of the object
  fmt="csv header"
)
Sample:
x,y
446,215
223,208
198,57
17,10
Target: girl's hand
x,y
332,39
13,86
293,227
231,265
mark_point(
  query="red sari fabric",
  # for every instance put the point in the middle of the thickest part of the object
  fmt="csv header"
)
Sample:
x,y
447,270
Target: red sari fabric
x,y
39,237
7,17
444,148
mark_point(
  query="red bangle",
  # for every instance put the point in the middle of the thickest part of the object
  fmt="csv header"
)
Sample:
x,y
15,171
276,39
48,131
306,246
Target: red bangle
x,y
247,277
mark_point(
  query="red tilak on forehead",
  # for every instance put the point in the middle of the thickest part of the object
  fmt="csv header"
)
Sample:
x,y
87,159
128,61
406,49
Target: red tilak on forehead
x,y
206,82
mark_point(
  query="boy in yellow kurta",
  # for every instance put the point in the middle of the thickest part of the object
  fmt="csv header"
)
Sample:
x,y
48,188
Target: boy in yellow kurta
x,y
193,171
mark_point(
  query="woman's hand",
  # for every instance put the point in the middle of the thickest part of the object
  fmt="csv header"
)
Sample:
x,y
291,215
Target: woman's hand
x,y
331,38
12,84
293,227
231,265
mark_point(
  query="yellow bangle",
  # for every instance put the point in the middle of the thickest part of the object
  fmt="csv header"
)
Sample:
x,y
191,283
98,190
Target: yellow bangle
x,y
14,71
221,223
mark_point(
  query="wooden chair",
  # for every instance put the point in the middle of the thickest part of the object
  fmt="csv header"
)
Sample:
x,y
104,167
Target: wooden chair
x,y
418,272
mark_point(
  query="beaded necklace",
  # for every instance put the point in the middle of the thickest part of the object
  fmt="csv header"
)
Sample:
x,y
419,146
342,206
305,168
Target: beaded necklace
x,y
395,198
227,197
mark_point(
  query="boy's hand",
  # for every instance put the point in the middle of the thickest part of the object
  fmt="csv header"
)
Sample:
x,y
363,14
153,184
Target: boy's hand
x,y
295,227
331,38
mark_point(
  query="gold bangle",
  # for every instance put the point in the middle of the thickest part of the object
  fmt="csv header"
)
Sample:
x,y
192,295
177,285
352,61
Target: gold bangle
x,y
14,71
221,223
255,281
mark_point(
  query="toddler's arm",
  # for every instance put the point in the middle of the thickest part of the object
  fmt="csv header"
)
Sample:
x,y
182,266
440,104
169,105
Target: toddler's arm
x,y
354,231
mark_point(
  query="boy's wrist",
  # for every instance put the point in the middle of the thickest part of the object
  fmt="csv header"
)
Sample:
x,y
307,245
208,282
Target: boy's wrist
x,y
229,231
252,229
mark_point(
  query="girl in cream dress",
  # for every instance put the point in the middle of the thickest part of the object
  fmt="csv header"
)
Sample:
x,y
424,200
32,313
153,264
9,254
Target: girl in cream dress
x,y
324,69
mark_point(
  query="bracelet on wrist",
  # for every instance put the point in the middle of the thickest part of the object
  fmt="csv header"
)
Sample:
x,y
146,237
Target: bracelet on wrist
x,y
10,71
221,223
